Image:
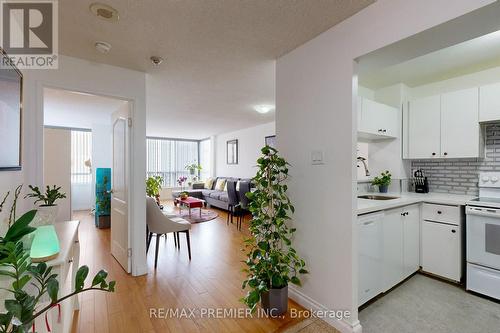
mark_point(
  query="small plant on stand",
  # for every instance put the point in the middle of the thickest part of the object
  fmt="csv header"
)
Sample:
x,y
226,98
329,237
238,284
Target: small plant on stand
x,y
383,181
47,211
193,169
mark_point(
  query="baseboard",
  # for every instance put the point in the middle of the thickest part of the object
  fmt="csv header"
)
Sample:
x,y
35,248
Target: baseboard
x,y
309,303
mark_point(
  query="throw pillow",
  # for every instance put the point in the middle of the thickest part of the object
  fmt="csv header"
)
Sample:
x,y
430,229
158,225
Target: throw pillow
x,y
225,187
208,183
238,186
219,186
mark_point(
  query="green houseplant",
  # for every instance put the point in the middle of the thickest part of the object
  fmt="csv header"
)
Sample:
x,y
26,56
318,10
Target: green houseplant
x,y
272,263
192,168
47,211
383,181
17,273
153,187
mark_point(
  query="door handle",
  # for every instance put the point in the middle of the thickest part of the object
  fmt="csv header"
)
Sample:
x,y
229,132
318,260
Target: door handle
x,y
453,231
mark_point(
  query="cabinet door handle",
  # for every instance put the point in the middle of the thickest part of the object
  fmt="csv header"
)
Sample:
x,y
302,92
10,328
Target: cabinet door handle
x,y
439,212
445,154
433,154
368,222
453,230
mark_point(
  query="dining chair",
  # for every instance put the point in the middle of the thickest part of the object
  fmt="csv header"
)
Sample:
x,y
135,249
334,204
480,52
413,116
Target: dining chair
x,y
161,224
233,200
244,208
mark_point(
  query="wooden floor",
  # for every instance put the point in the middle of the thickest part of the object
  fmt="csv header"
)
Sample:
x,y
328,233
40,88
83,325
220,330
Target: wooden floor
x,y
211,280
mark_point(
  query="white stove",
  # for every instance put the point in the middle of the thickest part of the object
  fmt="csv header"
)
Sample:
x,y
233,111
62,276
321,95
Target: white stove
x,y
483,237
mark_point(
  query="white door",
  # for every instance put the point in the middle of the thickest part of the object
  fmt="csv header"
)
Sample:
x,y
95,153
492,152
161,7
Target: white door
x,y
441,253
411,239
393,248
460,124
424,127
370,256
489,102
120,185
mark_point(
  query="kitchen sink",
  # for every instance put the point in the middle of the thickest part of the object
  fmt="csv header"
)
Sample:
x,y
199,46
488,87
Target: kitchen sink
x,y
376,197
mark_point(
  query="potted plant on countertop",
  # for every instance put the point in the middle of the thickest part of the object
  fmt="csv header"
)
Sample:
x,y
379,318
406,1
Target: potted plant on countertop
x,y
30,290
47,211
383,181
272,263
153,187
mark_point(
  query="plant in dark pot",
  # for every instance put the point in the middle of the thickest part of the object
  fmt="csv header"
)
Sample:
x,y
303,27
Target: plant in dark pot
x,y
383,181
153,187
272,262
47,211
103,203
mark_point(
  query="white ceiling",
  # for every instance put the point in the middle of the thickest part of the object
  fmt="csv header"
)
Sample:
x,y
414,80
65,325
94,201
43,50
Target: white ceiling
x,y
65,108
219,54
464,58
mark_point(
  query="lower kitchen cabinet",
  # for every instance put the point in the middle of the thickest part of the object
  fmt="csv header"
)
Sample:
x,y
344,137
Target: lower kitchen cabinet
x,y
411,240
441,249
393,248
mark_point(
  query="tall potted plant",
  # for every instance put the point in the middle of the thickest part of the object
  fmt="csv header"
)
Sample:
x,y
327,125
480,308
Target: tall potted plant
x,y
153,187
272,263
47,211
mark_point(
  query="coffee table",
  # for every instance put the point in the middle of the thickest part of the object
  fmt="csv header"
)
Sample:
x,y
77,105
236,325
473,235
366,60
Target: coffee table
x,y
189,203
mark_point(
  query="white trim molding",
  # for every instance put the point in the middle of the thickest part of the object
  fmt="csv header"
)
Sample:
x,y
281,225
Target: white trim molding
x,y
307,302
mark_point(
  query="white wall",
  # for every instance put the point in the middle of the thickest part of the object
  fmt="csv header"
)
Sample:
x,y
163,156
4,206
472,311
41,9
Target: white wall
x,y
85,76
250,142
57,167
316,110
477,79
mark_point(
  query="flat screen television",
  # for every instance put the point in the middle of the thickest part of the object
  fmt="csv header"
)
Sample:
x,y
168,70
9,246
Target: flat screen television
x,y
11,87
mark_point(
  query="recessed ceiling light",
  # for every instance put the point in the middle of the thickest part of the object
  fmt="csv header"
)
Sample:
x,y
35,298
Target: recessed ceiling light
x,y
102,47
104,12
264,108
156,60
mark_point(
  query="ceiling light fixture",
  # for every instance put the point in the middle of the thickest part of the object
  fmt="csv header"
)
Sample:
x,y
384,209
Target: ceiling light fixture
x,y
265,108
104,12
102,47
156,60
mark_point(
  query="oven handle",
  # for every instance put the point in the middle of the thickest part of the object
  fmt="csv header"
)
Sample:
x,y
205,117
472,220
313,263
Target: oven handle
x,y
482,211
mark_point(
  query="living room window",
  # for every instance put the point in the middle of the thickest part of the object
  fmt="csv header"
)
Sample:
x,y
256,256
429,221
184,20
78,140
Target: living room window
x,y
81,151
169,157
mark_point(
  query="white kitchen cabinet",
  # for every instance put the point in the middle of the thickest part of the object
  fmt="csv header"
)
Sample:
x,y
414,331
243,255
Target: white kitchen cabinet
x,y
377,120
424,127
441,249
489,102
411,240
393,248
370,256
460,132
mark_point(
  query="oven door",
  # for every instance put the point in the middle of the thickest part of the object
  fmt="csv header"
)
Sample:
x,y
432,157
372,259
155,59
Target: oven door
x,y
483,236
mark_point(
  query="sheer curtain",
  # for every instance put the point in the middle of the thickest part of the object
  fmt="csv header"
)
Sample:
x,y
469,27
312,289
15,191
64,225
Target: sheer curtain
x,y
169,157
81,150
205,159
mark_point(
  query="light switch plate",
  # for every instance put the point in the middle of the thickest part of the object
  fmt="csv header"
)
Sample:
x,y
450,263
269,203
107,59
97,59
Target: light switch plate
x,y
317,157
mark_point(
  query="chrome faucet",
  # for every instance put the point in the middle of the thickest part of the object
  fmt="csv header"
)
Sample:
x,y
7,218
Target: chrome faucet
x,y
363,160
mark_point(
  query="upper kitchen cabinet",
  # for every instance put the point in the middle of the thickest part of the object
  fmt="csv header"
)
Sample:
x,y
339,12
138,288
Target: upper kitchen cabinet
x,y
377,121
489,106
445,126
424,127
460,132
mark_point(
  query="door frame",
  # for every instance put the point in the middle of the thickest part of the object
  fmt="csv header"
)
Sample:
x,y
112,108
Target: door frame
x,y
136,227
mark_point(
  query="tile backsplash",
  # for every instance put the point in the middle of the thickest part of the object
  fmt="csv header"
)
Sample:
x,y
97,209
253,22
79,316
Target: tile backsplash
x,y
460,176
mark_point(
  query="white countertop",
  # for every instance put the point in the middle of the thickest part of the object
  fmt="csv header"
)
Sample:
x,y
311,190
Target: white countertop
x,y
408,198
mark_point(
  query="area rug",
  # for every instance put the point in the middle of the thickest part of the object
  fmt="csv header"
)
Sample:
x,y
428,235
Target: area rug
x,y
206,215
